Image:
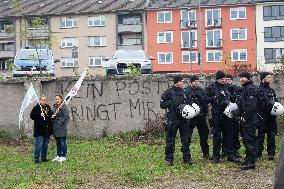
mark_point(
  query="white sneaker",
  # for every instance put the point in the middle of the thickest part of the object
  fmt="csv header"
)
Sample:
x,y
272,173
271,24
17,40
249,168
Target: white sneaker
x,y
61,159
56,158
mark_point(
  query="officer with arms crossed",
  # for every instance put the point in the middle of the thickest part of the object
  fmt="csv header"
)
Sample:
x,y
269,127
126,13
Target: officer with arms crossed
x,y
172,99
195,94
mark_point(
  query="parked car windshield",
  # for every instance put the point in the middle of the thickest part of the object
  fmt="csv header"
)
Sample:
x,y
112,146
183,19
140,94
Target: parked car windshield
x,y
129,55
32,54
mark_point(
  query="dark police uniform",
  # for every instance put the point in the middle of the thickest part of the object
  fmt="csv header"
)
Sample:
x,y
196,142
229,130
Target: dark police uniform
x,y
247,104
218,94
266,121
279,175
234,92
199,97
170,100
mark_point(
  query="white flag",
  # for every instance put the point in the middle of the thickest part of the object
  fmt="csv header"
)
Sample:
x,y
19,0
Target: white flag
x,y
30,97
75,88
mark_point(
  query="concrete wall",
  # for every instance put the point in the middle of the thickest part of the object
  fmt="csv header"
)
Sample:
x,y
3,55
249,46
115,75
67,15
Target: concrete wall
x,y
102,105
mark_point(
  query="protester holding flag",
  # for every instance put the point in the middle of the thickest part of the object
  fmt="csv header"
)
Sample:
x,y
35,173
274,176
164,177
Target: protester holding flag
x,y
41,114
60,121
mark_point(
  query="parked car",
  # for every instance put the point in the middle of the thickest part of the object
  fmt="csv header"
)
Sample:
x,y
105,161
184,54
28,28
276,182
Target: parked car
x,y
121,60
34,62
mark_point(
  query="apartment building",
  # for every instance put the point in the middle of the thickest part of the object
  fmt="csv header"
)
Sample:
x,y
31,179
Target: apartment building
x,y
6,42
270,35
95,29
222,32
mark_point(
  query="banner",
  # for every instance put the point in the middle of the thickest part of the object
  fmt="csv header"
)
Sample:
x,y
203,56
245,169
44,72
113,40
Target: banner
x,y
30,97
75,88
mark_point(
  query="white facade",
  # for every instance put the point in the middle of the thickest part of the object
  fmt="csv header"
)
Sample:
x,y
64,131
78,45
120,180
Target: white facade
x,y
272,44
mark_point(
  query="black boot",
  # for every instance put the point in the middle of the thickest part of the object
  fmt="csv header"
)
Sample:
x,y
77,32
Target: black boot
x,y
189,161
233,159
248,165
270,157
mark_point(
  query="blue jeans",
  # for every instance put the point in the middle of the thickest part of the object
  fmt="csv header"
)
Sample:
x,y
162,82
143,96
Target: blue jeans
x,y
61,146
41,147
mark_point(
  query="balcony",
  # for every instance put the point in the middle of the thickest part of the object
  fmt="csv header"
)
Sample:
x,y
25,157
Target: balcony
x,y
38,32
6,35
129,47
129,28
7,54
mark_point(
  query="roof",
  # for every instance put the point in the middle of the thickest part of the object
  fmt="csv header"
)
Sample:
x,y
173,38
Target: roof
x,y
157,4
65,7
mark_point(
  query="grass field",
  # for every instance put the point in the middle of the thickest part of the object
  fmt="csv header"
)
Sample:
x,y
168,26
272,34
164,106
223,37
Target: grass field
x,y
131,160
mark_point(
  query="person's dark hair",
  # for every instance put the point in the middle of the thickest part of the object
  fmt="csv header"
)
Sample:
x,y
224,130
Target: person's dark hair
x,y
60,96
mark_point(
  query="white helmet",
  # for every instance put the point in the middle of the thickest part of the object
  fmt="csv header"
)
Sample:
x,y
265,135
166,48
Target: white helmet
x,y
187,112
196,108
277,109
229,109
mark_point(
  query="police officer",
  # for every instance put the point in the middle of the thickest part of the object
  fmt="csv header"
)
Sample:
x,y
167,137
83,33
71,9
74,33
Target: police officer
x,y
234,92
247,104
279,175
195,94
267,122
171,99
218,96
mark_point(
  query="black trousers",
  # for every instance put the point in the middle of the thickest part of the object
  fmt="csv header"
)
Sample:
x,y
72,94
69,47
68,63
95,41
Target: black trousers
x,y
248,132
267,126
222,125
236,136
200,123
184,130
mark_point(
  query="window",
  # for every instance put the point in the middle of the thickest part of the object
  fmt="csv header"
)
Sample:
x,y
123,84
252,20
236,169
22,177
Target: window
x,y
2,65
238,13
214,56
188,18
165,57
69,42
164,17
165,37
68,22
130,19
69,62
97,21
239,55
187,54
273,12
96,60
188,39
213,38
213,17
273,56
274,34
238,34
97,41
7,46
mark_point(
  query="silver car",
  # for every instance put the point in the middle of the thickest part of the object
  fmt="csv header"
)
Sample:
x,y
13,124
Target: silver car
x,y
122,59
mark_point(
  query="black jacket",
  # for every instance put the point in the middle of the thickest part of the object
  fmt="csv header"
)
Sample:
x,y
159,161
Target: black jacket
x,y
197,96
218,95
42,127
267,97
248,101
234,91
171,99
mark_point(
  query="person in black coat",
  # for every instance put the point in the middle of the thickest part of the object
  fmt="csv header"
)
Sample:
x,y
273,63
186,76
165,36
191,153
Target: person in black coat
x,y
41,114
218,97
196,94
266,121
247,103
171,99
